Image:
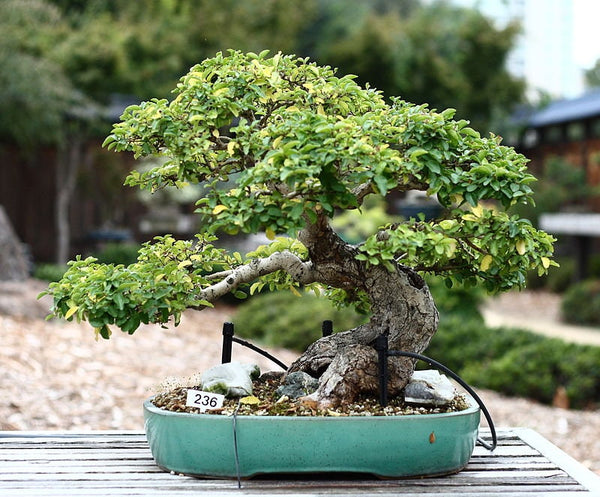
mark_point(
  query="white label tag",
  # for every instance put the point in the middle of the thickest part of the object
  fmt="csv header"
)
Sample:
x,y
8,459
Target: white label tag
x,y
204,400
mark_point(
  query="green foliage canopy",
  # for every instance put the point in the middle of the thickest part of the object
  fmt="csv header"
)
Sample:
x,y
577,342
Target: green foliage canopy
x,y
301,144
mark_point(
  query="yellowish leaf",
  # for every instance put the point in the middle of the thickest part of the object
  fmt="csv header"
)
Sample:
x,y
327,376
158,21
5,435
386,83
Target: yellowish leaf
x,y
220,91
250,400
231,146
183,264
521,247
219,208
71,311
456,198
295,292
447,224
545,262
469,217
158,277
270,233
477,210
486,262
277,141
451,249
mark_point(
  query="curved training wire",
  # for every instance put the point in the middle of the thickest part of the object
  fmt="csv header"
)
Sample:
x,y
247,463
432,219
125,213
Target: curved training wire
x,y
229,338
260,351
464,384
235,447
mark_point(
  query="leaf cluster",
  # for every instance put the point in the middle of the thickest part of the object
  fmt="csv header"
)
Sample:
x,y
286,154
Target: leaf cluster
x,y
168,277
477,245
165,280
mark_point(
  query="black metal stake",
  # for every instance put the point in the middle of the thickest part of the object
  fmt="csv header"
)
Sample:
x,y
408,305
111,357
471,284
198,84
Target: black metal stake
x,y
227,342
381,346
327,327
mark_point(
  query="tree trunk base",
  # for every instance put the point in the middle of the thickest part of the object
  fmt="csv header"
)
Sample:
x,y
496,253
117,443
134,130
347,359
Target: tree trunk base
x,y
352,372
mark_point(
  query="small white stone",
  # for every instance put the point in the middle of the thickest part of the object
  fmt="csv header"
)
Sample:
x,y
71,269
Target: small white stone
x,y
231,379
429,387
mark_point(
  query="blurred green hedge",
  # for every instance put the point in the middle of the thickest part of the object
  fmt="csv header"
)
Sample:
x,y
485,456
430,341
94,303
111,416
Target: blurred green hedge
x,y
518,363
581,303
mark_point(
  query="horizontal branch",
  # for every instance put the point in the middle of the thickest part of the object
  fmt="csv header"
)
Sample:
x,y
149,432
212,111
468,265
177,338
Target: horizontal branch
x,y
300,271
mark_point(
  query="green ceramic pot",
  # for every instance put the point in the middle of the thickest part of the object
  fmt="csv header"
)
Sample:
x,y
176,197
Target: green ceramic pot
x,y
394,446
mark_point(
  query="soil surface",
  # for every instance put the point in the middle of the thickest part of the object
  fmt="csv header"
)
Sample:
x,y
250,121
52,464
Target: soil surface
x,y
55,376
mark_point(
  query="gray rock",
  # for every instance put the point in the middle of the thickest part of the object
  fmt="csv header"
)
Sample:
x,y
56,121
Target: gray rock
x,y
430,388
231,379
298,384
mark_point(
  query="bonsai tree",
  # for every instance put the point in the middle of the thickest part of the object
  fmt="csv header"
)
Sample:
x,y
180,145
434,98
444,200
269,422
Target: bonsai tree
x,y
282,146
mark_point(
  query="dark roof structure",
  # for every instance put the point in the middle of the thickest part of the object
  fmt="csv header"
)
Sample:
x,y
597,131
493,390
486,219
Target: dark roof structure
x,y
562,111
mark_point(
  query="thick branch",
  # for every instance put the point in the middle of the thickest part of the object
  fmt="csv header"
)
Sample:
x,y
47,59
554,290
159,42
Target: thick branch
x,y
301,271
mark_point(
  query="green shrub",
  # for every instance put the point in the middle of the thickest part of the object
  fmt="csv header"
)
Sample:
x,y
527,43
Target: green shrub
x,y
531,371
460,301
517,362
49,272
581,303
282,319
459,343
558,279
118,253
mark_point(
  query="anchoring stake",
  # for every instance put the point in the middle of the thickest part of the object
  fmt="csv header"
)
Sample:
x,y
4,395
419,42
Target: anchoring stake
x,y
227,342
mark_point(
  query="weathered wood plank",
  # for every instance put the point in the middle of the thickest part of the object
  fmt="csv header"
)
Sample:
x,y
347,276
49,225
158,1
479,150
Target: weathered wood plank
x,y
185,488
560,458
113,463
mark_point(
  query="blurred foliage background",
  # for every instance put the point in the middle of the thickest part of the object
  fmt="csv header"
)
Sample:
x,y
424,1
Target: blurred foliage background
x,y
60,58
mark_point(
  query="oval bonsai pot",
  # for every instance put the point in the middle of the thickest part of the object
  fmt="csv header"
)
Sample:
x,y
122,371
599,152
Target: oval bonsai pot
x,y
385,446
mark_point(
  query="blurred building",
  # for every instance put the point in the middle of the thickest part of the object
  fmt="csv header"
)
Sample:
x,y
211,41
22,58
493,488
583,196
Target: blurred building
x,y
568,128
100,210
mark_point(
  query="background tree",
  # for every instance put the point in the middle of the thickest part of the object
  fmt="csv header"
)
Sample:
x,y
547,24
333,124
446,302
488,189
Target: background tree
x,y
437,53
63,61
592,76
300,145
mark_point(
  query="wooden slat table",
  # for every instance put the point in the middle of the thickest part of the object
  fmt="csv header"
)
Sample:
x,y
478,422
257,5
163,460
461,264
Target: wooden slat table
x,y
64,464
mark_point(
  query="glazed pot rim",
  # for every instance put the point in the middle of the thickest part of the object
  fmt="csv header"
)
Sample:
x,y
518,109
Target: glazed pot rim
x,y
473,408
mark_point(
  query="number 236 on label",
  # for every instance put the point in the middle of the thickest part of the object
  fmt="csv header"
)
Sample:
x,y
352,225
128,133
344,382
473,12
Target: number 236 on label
x,y
204,400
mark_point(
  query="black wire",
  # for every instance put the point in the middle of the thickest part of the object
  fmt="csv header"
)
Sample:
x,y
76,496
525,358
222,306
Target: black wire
x,y
235,447
453,375
260,351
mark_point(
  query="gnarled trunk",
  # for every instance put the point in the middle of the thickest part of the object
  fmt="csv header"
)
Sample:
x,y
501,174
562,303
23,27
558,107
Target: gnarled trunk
x,y
402,309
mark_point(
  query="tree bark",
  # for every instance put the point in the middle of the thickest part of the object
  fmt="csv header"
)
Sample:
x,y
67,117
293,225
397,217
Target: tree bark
x,y
402,309
69,159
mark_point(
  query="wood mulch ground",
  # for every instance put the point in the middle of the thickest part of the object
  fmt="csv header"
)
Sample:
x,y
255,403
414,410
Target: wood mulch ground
x,y
55,376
